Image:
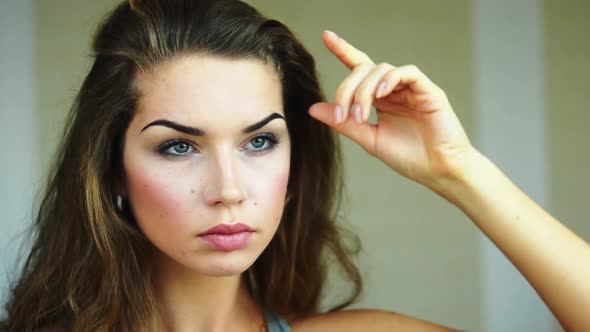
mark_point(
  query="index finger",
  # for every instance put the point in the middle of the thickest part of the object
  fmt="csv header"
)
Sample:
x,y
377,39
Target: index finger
x,y
346,53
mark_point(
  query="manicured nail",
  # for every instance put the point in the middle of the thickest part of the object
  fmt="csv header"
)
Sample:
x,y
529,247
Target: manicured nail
x,y
380,90
331,34
356,112
338,114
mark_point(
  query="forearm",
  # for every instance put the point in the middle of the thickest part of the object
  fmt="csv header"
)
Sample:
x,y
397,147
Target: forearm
x,y
552,258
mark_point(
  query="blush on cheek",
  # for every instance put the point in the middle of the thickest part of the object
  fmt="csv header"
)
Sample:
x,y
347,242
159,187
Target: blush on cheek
x,y
278,189
154,201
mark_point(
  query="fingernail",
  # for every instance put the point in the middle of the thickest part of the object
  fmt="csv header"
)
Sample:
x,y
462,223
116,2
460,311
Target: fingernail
x,y
332,34
356,112
380,90
338,114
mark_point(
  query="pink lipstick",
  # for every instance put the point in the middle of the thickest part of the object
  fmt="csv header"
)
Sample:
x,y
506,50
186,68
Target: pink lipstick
x,y
227,237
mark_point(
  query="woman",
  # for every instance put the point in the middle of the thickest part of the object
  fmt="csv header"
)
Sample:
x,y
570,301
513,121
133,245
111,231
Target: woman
x,y
197,183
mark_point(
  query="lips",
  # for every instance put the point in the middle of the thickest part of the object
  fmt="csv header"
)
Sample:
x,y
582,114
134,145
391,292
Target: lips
x,y
228,229
227,237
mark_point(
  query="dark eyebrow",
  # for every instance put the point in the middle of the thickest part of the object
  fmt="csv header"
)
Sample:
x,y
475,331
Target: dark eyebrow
x,y
199,132
262,123
177,127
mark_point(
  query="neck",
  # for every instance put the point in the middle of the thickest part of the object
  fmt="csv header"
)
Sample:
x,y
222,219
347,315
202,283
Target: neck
x,y
188,301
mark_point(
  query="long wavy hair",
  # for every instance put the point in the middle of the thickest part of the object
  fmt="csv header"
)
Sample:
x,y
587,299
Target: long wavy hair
x,y
89,265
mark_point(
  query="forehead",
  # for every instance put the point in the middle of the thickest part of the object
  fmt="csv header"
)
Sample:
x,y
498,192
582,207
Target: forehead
x,y
209,91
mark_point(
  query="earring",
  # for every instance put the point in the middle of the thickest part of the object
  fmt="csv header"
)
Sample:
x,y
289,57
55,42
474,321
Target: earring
x,y
288,198
120,202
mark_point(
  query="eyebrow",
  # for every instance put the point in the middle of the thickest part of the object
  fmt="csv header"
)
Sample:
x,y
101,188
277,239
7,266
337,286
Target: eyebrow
x,y
200,132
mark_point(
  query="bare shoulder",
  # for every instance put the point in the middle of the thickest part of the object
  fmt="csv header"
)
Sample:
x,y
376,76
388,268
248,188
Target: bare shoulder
x,y
365,320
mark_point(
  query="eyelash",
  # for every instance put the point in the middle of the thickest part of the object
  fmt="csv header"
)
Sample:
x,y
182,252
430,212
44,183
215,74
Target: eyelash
x,y
271,139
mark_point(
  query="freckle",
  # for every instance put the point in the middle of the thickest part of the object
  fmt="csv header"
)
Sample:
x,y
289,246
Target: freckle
x,y
256,203
192,191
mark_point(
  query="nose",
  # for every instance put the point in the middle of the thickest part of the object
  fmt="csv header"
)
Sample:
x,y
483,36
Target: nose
x,y
223,184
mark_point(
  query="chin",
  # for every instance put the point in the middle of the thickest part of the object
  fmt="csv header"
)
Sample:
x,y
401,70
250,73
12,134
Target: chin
x,y
223,265
223,270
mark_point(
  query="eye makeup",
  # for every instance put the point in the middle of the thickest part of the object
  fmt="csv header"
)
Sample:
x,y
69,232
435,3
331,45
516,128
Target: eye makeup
x,y
269,142
182,148
165,149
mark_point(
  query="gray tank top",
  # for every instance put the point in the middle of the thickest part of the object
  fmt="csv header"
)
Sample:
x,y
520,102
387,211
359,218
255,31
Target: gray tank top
x,y
274,323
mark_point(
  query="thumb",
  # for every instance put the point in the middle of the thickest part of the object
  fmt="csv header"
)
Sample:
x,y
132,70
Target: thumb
x,y
363,134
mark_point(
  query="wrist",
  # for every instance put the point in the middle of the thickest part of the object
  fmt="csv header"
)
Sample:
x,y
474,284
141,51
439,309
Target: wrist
x,y
464,176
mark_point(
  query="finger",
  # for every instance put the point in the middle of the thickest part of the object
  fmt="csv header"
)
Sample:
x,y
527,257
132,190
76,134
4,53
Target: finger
x,y
407,76
345,92
364,134
350,56
399,97
370,88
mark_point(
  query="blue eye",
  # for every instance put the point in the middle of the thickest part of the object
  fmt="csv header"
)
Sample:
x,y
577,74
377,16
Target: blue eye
x,y
176,148
261,143
180,148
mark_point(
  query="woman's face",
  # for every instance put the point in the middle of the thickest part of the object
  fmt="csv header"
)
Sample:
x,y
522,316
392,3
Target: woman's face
x,y
208,146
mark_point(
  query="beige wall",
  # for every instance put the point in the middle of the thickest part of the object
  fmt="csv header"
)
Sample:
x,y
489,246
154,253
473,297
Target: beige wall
x,y
567,55
567,52
64,29
421,254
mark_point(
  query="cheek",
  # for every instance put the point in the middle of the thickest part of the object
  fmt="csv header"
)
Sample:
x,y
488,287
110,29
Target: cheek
x,y
268,188
159,197
277,186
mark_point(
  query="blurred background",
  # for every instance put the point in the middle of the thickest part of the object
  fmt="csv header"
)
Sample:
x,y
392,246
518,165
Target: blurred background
x,y
515,71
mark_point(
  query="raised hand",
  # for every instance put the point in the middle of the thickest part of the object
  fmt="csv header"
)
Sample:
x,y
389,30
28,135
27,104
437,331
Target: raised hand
x,y
417,133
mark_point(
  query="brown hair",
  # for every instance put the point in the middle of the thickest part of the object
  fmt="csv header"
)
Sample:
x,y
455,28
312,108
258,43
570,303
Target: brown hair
x,y
88,269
